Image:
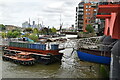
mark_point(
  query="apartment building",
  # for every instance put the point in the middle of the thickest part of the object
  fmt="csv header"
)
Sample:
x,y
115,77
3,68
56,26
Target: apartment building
x,y
85,14
90,12
79,16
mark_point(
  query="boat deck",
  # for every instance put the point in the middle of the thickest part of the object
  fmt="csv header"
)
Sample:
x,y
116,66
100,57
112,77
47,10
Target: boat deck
x,y
21,59
96,52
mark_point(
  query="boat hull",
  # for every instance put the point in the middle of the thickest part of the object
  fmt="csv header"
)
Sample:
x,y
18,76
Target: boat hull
x,y
47,59
93,58
20,62
43,57
54,52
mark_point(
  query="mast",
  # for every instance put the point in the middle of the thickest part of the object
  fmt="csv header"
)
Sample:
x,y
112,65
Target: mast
x,y
38,23
42,23
29,22
60,23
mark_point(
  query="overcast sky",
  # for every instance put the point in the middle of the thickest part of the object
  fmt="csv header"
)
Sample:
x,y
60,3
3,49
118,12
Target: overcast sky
x,y
15,12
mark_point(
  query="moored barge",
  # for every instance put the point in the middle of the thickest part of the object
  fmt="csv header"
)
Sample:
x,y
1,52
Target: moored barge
x,y
101,55
95,56
20,58
39,51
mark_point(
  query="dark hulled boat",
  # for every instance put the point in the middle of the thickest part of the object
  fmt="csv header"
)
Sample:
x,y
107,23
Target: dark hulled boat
x,y
101,55
95,56
20,58
38,51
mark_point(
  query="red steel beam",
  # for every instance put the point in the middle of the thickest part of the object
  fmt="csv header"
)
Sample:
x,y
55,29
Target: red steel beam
x,y
103,16
109,8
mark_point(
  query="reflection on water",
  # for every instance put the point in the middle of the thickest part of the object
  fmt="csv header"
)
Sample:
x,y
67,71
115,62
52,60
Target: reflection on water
x,y
68,68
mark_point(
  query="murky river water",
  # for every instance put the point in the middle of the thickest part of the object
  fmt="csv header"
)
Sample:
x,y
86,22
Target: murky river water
x,y
68,68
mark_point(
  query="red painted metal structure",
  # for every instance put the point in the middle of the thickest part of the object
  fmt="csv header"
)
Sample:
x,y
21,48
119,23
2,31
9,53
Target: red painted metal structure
x,y
112,27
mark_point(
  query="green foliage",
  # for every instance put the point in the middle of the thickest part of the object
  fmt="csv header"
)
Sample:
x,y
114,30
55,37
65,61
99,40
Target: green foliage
x,y
3,34
104,72
35,30
28,30
84,32
2,27
33,37
50,31
9,34
44,31
18,30
53,30
14,34
89,28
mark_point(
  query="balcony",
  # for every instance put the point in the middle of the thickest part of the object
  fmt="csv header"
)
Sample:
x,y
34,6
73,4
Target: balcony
x,y
81,6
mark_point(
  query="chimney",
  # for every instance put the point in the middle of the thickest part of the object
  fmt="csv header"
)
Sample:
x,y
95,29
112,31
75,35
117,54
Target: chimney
x,y
33,22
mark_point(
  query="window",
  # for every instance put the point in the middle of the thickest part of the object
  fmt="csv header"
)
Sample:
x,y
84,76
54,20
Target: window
x,y
87,13
81,13
80,5
87,6
87,9
80,9
95,10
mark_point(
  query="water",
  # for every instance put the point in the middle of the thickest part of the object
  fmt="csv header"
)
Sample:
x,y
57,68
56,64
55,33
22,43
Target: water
x,y
68,68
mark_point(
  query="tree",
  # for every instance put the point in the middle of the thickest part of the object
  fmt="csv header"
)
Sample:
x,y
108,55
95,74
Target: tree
x,y
9,34
44,31
2,27
89,28
18,30
53,30
33,37
36,31
28,30
14,34
3,34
